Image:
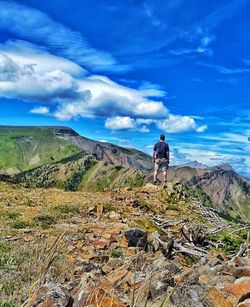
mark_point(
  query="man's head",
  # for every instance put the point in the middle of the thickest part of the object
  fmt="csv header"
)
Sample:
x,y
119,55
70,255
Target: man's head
x,y
162,137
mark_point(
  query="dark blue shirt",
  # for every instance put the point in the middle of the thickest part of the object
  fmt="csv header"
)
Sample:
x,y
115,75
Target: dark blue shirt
x,y
161,149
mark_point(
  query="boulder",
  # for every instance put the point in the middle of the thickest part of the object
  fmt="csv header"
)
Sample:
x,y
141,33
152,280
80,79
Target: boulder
x,y
242,280
237,289
51,294
190,295
137,238
217,299
245,303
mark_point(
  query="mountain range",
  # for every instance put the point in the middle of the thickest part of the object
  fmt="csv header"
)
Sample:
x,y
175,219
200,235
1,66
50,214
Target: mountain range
x,y
60,157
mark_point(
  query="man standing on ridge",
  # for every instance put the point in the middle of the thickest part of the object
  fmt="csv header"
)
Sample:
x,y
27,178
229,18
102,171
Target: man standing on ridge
x,y
161,158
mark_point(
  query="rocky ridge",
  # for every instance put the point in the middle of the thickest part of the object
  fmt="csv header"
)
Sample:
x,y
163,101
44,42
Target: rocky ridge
x,y
110,166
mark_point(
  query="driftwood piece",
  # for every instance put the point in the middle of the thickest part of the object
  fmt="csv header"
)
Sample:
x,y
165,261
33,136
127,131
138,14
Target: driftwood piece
x,y
168,247
239,229
191,250
195,233
180,248
163,223
220,228
243,248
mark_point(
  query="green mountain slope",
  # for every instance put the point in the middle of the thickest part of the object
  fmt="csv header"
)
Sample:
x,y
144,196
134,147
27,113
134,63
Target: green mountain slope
x,y
23,148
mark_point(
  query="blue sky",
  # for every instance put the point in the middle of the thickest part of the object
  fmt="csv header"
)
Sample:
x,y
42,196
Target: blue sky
x,y
127,71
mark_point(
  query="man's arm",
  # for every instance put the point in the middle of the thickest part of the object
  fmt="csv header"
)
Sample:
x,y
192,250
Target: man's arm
x,y
167,153
154,155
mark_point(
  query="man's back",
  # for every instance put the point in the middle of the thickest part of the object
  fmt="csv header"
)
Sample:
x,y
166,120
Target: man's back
x,y
161,149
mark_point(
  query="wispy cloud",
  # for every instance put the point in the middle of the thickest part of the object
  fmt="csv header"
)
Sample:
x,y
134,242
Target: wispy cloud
x,y
154,20
225,70
231,81
213,20
198,42
31,24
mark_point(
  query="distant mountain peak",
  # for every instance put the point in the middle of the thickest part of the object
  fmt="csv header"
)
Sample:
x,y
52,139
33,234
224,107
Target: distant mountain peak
x,y
195,164
224,167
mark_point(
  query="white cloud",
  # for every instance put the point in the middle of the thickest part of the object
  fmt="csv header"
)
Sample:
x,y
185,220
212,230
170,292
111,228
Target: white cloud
x,y
152,92
85,96
110,98
172,124
72,93
120,123
22,81
40,110
26,53
124,123
176,124
103,141
201,128
33,25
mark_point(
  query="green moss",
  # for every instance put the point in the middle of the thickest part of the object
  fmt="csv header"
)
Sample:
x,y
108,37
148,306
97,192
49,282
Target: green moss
x,y
136,181
173,207
8,304
232,243
117,253
44,220
5,254
147,225
144,205
13,215
108,208
62,211
19,224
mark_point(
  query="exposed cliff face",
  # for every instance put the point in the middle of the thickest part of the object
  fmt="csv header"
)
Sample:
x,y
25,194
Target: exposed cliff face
x,y
111,153
227,190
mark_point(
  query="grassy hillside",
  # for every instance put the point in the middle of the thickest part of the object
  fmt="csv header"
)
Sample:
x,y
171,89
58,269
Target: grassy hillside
x,y
81,172
25,148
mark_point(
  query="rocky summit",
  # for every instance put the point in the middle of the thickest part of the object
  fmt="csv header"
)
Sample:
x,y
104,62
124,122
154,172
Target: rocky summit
x,y
130,246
